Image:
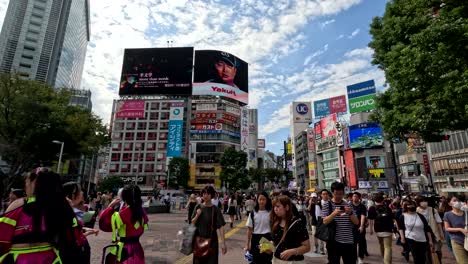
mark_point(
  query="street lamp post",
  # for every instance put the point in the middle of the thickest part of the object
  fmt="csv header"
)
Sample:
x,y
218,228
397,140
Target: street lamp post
x,y
61,153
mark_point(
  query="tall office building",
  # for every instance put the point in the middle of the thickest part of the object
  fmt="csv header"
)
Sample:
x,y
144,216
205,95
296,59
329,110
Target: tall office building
x,y
46,40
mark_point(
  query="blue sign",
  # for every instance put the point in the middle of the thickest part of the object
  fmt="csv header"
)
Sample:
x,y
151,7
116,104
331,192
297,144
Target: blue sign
x,y
174,138
361,89
322,108
365,135
302,109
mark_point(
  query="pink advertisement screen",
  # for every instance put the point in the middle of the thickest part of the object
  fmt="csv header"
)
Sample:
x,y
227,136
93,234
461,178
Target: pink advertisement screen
x,y
131,109
328,126
338,104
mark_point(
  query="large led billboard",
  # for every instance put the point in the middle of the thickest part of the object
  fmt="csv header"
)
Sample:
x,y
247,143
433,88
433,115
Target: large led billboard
x,y
220,73
158,71
365,135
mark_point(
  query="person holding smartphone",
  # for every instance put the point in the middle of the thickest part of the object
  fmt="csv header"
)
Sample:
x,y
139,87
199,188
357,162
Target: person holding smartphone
x,y
344,244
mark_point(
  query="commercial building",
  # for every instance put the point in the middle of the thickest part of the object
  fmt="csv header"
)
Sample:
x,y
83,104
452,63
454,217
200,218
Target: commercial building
x,y
449,163
301,118
81,98
142,137
46,40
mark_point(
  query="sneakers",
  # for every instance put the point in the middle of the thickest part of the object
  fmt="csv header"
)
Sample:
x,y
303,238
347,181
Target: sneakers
x,y
360,261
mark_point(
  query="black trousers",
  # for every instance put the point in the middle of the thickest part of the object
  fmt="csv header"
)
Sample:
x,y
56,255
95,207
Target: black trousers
x,y
258,258
338,251
362,244
418,250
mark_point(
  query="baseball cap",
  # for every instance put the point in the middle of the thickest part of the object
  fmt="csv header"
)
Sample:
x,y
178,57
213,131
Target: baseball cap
x,y
313,195
228,58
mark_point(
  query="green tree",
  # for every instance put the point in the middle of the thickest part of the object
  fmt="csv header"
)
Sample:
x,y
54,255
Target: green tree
x,y
111,184
422,47
179,172
257,175
274,175
32,115
233,169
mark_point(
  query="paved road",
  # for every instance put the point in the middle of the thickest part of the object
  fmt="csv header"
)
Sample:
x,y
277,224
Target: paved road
x,y
161,244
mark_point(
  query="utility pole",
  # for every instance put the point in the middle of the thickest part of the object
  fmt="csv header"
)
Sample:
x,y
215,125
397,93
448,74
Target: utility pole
x,y
395,169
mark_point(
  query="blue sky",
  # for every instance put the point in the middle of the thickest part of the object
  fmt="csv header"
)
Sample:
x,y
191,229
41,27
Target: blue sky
x,y
297,49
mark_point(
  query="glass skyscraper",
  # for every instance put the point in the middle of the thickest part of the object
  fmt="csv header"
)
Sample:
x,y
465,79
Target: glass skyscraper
x,y
46,40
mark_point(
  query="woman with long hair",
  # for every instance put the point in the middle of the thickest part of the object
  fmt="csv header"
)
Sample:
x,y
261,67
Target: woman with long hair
x,y
232,204
415,232
259,226
209,222
127,226
289,232
74,195
37,229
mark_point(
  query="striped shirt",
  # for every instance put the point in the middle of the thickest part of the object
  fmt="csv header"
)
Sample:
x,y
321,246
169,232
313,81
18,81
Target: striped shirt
x,y
344,226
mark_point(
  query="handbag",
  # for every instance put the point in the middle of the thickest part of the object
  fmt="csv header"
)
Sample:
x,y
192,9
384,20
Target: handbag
x,y
186,243
202,246
325,232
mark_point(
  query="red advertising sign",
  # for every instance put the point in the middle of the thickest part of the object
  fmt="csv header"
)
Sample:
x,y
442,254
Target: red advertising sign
x,y
310,139
350,170
427,167
328,126
203,127
230,117
203,121
318,130
131,109
338,104
205,115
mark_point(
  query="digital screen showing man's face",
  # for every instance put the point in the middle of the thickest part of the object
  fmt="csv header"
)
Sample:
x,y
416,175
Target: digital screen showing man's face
x,y
226,72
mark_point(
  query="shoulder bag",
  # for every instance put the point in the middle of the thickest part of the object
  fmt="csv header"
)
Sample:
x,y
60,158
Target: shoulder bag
x,y
326,232
202,246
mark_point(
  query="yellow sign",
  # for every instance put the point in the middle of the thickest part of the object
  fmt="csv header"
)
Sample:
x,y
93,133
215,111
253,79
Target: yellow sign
x,y
289,148
312,186
312,171
376,173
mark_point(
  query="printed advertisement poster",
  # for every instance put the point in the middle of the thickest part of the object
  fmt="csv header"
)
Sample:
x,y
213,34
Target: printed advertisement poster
x,y
338,104
318,130
327,125
176,128
350,169
158,71
310,139
302,112
361,89
130,109
321,108
376,166
244,129
312,171
362,104
261,143
219,73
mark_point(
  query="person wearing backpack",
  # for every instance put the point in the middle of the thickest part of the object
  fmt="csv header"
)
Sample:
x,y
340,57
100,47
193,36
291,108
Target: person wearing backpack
x,y
435,222
415,232
381,222
258,224
360,231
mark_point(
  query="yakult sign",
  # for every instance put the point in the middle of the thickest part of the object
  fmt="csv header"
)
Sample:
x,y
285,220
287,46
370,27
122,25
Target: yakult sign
x,y
302,112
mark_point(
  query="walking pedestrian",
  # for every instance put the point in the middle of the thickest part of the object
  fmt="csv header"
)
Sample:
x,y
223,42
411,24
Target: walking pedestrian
x,y
344,244
232,205
456,224
381,221
315,213
46,212
415,232
290,236
240,202
361,212
258,224
435,223
127,226
209,222
98,202
249,205
82,252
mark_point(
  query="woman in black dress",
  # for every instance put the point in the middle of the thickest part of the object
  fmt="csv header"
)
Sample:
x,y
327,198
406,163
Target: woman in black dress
x,y
191,207
209,222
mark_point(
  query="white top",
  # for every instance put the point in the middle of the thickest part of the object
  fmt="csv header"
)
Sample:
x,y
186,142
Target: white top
x,y
318,212
426,212
215,202
249,205
262,222
414,228
383,234
232,202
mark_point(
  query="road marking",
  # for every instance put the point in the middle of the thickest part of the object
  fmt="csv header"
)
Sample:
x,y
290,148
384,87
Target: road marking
x,y
188,259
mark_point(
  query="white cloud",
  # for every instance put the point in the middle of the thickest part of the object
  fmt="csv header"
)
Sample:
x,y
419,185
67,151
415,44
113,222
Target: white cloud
x,y
315,54
354,33
365,52
326,23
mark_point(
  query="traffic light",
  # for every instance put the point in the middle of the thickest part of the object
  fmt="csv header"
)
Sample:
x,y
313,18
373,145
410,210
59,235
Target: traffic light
x,y
445,137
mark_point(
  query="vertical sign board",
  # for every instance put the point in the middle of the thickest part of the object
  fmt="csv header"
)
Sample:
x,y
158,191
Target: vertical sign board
x,y
302,112
350,170
176,128
310,139
361,96
261,143
427,167
312,171
245,130
338,104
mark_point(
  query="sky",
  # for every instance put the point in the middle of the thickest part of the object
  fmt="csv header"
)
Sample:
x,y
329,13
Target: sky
x,y
297,50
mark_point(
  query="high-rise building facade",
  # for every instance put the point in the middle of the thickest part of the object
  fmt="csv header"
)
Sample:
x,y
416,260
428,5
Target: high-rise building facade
x,y
46,40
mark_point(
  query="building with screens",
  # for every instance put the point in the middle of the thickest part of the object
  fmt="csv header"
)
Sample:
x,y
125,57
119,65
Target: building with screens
x,y
46,40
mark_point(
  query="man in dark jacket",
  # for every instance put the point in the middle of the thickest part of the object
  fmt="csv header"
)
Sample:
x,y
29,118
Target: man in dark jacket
x,y
314,210
381,221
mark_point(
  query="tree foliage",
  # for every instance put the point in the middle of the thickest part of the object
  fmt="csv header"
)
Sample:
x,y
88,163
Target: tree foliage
x,y
234,172
422,47
111,184
179,172
32,115
274,175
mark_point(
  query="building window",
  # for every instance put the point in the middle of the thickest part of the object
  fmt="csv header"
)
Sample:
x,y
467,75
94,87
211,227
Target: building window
x,y
128,146
153,116
163,135
149,156
165,106
29,57
127,157
152,136
159,167
129,136
164,115
119,126
24,65
125,168
160,156
130,126
164,125
154,106
141,136
114,168
115,157
142,126
162,146
116,146
150,146
138,157
149,167
153,125
116,135
137,167
139,146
